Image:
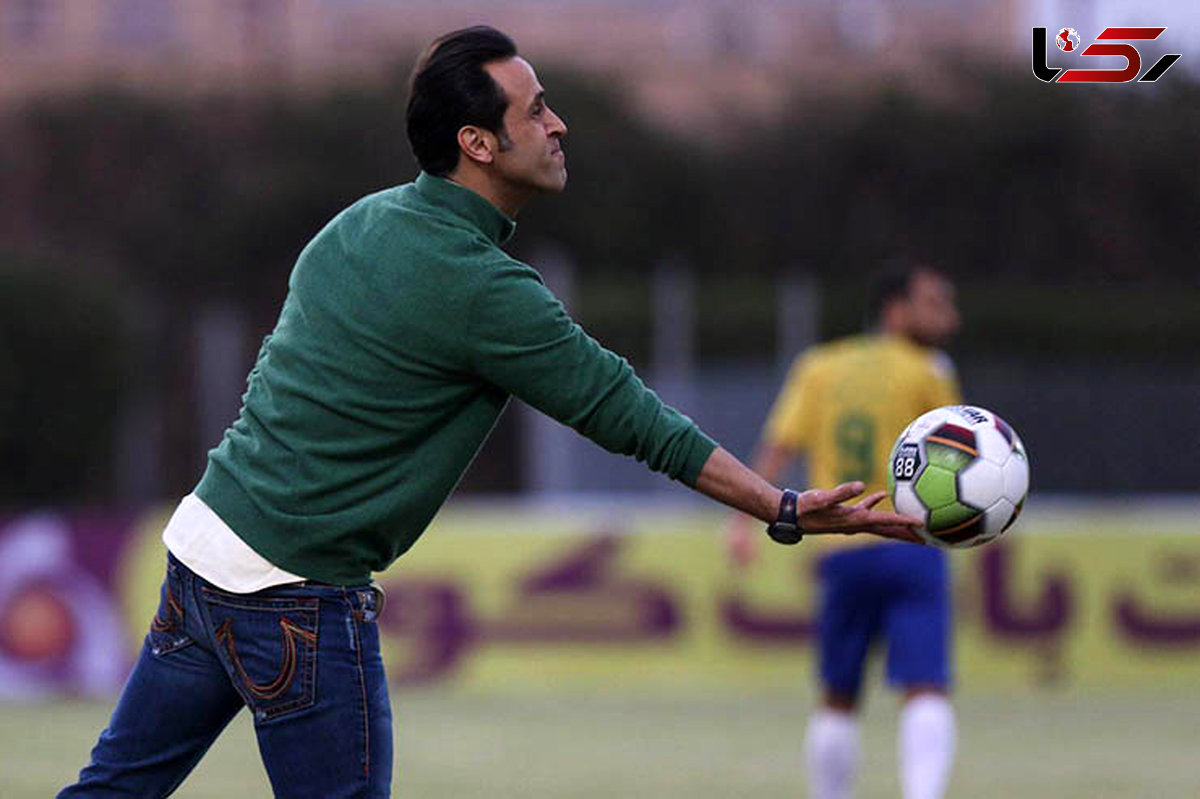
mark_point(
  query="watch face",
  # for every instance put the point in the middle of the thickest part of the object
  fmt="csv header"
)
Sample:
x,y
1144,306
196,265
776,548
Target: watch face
x,y
785,533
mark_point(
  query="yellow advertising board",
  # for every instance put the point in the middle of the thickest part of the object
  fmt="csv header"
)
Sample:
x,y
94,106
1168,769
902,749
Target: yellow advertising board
x,y
509,596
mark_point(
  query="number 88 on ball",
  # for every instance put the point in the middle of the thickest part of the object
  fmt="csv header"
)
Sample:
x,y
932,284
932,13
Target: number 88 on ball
x,y
963,471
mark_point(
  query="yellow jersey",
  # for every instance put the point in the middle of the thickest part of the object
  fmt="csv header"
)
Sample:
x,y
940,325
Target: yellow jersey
x,y
845,402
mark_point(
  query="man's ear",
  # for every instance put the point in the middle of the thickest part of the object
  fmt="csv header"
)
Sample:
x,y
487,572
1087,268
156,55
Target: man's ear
x,y
478,144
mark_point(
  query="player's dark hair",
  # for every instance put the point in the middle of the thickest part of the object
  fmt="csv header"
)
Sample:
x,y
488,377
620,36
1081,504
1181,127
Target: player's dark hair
x,y
893,281
450,89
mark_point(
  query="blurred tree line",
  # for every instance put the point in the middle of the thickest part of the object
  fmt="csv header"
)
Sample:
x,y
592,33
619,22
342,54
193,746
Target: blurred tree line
x,y
1064,212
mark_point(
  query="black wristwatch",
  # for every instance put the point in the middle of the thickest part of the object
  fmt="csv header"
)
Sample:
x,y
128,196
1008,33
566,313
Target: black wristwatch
x,y
786,527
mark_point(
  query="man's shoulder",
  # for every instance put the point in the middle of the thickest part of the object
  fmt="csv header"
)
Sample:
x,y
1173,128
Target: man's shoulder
x,y
885,350
940,364
399,221
837,351
389,197
919,365
924,358
814,360
872,354
366,215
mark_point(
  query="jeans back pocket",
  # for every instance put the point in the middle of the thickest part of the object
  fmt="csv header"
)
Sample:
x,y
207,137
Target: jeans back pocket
x,y
269,646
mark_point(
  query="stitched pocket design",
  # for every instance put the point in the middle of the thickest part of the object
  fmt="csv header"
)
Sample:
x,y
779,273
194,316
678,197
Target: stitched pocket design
x,y
287,668
269,645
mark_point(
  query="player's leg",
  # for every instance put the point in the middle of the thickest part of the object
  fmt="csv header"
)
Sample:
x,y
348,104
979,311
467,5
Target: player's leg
x,y
848,619
919,641
173,706
306,660
927,740
832,751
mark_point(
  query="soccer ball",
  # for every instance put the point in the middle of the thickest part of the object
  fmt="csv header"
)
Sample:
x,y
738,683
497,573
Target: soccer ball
x,y
964,471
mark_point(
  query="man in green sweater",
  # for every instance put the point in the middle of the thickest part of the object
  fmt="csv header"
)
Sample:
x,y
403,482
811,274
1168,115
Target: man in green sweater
x,y
404,333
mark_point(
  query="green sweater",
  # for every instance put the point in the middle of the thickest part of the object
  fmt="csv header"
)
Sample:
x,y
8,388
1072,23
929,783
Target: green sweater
x,y
405,330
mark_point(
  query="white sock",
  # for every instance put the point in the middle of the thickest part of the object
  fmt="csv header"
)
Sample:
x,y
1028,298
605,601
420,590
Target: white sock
x,y
831,752
927,741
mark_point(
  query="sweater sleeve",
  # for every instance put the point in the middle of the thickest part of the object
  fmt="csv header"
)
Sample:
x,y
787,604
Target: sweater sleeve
x,y
523,340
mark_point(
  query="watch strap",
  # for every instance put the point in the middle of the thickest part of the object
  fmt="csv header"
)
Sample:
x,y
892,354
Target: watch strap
x,y
786,527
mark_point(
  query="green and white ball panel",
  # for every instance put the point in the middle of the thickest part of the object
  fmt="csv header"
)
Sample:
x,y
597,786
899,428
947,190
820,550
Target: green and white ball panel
x,y
950,517
905,467
982,483
938,489
905,501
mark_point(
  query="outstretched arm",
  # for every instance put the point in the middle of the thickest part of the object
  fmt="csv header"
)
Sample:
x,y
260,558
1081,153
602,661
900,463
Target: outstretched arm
x,y
741,539
729,481
525,343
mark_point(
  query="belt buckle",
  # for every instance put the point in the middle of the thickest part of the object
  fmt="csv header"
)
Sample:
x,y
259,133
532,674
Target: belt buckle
x,y
372,600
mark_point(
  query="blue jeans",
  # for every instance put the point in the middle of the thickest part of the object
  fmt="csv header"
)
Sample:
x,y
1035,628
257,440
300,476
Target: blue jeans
x,y
303,658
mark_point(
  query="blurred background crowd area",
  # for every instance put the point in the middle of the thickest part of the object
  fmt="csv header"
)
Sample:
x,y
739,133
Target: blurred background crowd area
x,y
736,169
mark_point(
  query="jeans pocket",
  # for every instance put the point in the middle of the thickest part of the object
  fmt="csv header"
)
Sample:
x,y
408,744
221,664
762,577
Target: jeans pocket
x,y
269,646
167,632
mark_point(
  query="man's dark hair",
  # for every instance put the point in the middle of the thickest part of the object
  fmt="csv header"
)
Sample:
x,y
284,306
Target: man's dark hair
x,y
892,282
450,89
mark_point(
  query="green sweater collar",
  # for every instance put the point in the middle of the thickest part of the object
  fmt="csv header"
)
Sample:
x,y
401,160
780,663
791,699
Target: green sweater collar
x,y
467,206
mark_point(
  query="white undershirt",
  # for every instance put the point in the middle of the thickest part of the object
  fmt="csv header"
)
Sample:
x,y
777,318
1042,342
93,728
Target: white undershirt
x,y
205,544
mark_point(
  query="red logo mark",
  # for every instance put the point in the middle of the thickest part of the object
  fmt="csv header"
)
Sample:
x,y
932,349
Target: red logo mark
x,y
1068,41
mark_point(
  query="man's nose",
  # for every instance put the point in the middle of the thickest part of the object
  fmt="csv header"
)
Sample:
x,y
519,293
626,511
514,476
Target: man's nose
x,y
557,126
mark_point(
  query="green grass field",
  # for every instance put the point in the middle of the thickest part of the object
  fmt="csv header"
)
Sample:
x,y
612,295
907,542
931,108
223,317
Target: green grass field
x,y
455,747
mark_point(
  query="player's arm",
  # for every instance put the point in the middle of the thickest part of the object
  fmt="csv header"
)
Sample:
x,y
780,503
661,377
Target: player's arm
x,y
523,341
527,344
751,491
729,481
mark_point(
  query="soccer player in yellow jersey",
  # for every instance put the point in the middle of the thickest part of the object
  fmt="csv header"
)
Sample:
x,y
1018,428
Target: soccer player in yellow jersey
x,y
841,409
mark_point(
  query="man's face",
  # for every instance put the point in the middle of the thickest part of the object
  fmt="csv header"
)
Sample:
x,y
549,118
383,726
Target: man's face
x,y
531,154
933,317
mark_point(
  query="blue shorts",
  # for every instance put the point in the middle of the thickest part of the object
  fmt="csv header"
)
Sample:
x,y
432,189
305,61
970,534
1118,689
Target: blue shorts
x,y
900,592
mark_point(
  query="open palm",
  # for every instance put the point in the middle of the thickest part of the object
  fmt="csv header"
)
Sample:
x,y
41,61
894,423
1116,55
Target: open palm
x,y
824,511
